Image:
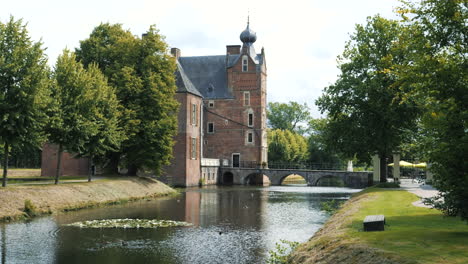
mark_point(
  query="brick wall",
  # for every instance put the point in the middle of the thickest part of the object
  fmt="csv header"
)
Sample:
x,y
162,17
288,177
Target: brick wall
x,y
230,117
71,166
185,171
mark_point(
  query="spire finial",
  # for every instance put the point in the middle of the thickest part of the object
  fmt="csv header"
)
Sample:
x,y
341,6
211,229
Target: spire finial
x,y
248,17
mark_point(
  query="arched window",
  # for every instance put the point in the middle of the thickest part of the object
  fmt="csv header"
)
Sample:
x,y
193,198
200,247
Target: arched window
x,y
245,63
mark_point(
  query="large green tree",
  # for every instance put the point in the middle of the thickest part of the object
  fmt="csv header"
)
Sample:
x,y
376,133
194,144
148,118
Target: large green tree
x,y
366,113
319,151
142,73
288,116
24,78
438,78
285,146
83,113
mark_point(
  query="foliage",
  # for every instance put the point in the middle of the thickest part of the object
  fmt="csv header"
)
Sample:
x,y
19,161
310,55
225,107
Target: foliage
x,y
143,75
128,223
366,113
331,206
290,116
286,146
319,151
438,79
29,208
24,94
281,252
83,116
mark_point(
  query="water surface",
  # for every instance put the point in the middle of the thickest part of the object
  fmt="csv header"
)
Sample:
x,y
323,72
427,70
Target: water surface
x,y
230,225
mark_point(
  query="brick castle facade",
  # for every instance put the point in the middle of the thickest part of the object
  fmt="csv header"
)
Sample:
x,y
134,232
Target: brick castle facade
x,y
222,115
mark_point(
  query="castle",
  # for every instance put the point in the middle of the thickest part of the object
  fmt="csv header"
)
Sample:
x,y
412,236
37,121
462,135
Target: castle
x,y
222,115
221,118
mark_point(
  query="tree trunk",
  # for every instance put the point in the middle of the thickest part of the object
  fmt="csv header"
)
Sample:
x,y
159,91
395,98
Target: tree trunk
x,y
5,165
59,163
383,168
90,169
132,170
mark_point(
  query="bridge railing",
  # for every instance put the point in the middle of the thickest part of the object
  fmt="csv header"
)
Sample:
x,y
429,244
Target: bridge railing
x,y
289,165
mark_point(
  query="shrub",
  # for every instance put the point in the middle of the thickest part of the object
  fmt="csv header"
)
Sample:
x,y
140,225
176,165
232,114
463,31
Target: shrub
x,y
281,252
29,208
331,206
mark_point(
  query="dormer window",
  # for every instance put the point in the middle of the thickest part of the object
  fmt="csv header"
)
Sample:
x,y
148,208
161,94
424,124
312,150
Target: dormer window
x,y
245,63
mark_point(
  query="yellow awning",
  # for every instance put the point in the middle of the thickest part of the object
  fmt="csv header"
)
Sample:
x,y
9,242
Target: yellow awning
x,y
404,164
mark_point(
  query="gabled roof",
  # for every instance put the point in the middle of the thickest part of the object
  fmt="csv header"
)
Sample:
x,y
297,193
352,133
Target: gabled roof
x,y
184,85
206,76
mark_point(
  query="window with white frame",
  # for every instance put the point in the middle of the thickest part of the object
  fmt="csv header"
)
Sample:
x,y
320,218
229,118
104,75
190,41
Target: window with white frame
x,y
194,114
250,119
245,63
193,148
246,98
249,137
210,104
210,128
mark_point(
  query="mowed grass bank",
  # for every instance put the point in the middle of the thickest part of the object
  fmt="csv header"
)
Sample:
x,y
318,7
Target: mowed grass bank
x,y
73,196
412,234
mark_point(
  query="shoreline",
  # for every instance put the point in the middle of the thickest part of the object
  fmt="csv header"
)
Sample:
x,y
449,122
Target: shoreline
x,y
51,199
412,234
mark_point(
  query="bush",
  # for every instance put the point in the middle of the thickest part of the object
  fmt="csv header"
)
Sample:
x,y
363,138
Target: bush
x,y
331,206
29,208
280,254
201,182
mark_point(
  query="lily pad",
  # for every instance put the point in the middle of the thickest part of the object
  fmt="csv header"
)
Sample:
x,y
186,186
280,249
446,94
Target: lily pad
x,y
128,223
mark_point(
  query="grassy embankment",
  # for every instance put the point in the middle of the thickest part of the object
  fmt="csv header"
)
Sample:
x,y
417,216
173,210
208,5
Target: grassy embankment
x,y
412,234
47,198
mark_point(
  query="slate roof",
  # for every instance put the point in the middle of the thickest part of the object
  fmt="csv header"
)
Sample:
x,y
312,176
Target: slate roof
x,y
205,76
184,85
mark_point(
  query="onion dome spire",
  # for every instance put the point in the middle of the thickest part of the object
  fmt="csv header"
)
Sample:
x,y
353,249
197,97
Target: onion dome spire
x,y
248,36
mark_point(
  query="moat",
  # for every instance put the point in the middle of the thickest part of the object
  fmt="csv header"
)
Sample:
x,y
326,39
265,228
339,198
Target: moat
x,y
230,225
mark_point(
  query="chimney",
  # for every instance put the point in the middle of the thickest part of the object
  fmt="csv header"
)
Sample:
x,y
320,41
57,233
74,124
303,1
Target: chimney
x,y
175,52
233,49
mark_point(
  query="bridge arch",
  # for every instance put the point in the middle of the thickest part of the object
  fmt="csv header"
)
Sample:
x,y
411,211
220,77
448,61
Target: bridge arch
x,y
256,179
289,175
228,178
330,181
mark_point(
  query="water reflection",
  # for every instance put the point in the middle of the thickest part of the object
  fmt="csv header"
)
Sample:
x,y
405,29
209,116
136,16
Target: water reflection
x,y
231,225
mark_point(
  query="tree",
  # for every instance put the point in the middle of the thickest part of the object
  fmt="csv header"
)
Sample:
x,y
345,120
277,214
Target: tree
x,y
438,79
319,151
83,115
143,74
366,112
24,78
290,116
285,146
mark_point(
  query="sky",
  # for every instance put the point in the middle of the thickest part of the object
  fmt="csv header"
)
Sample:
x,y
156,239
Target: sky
x,y
302,38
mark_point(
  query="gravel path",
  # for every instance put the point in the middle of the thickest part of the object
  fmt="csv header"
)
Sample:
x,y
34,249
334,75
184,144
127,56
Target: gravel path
x,y
420,189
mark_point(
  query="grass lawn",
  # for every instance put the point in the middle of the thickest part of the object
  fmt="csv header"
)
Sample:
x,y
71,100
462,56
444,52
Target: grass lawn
x,y
417,234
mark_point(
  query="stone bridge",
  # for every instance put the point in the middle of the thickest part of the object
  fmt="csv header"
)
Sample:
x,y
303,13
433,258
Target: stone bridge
x,y
276,176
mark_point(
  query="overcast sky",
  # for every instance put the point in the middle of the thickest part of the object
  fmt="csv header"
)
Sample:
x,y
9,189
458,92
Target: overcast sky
x,y
302,38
